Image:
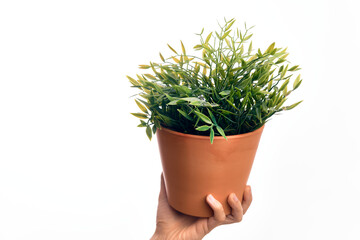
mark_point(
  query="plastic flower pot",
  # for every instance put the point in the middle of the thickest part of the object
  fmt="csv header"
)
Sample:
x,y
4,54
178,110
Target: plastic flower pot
x,y
194,168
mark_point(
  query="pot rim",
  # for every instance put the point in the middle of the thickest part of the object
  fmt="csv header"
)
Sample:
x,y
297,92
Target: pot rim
x,y
242,135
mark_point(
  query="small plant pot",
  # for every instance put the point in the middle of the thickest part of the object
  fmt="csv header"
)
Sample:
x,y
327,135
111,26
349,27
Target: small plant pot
x,y
194,168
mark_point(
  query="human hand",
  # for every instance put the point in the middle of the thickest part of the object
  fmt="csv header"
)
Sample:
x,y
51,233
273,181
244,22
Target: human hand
x,y
173,225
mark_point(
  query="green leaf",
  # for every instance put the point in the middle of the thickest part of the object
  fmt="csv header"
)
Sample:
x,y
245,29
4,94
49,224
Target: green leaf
x,y
227,42
292,106
182,89
174,102
231,104
269,85
284,56
264,92
243,63
144,66
154,129
133,81
148,132
203,128
142,107
218,36
285,91
198,47
183,48
196,103
150,76
241,49
225,35
258,115
280,61
212,135
294,68
142,124
248,37
175,59
185,114
170,98
166,119
284,85
281,103
203,117
284,71
221,131
208,37
225,93
212,117
297,82
140,115
250,48
157,123
270,48
191,99
229,26
226,112
172,49
162,58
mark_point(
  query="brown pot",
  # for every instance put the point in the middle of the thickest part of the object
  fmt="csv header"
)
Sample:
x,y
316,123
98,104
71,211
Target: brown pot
x,y
194,168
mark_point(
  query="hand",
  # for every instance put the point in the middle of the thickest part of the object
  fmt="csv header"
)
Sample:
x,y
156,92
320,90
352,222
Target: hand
x,y
173,225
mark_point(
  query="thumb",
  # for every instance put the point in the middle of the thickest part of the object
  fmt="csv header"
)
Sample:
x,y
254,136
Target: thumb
x,y
162,195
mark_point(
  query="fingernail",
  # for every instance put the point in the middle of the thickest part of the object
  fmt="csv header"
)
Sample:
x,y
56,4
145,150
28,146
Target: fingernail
x,y
235,197
212,199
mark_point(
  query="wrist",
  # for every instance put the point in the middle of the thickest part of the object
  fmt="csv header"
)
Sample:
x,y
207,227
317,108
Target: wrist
x,y
173,236
163,236
158,236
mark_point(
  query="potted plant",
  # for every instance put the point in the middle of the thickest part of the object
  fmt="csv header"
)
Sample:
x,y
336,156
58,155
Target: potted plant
x,y
209,112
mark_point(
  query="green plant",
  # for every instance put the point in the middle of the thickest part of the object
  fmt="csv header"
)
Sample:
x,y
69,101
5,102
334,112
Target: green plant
x,y
231,89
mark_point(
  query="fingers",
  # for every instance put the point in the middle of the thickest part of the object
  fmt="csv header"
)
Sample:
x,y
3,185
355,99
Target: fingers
x,y
236,208
247,199
216,206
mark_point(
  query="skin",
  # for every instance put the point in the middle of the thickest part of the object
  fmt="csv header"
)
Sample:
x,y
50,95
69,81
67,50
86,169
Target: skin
x,y
173,225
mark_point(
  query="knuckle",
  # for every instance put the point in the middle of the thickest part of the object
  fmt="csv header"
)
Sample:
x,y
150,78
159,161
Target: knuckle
x,y
237,209
239,218
221,218
237,206
218,207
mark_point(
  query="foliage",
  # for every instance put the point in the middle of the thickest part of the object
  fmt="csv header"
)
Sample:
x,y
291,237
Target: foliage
x,y
231,89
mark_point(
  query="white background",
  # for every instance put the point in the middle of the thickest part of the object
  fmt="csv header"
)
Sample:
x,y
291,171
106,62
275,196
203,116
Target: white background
x,y
73,164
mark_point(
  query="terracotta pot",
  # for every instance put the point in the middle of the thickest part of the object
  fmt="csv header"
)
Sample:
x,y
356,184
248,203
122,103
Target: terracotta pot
x,y
194,168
